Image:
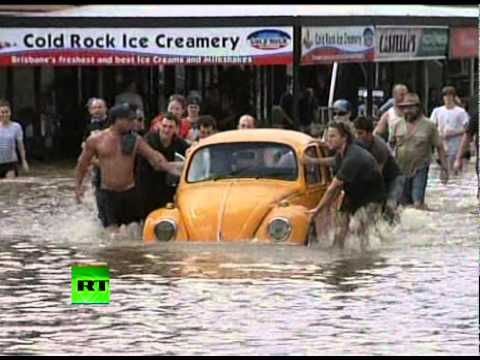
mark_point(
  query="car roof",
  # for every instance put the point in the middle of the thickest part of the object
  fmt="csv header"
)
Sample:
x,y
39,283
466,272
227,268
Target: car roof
x,y
291,137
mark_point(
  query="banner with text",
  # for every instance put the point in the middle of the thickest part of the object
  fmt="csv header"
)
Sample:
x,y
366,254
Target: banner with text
x,y
146,46
337,44
463,42
410,43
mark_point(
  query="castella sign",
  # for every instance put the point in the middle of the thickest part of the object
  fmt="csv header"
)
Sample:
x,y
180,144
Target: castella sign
x,y
410,43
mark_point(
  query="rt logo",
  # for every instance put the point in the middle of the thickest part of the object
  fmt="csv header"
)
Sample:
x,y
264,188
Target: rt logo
x,y
90,284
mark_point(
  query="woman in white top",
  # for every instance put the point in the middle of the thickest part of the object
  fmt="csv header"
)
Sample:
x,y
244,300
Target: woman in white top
x,y
11,136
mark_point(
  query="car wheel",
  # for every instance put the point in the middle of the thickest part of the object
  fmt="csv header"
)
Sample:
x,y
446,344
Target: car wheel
x,y
311,235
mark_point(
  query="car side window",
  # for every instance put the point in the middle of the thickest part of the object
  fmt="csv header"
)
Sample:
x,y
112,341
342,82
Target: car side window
x,y
312,171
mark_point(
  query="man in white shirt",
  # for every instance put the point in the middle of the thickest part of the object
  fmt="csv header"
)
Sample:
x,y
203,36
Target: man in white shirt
x,y
451,121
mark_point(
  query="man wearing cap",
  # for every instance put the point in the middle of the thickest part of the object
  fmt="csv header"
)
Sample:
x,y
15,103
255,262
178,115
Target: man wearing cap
x,y
451,121
342,112
414,137
115,149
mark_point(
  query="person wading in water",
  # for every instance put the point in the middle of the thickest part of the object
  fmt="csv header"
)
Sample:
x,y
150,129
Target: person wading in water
x,y
115,149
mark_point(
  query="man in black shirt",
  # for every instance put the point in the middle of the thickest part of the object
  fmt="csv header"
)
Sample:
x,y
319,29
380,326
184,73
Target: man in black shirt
x,y
356,173
391,173
156,192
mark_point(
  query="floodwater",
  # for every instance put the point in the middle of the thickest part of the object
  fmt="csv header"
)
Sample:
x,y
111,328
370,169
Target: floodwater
x,y
414,291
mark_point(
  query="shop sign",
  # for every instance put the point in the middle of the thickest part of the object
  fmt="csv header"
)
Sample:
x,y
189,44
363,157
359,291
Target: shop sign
x,y
463,42
146,46
410,43
337,44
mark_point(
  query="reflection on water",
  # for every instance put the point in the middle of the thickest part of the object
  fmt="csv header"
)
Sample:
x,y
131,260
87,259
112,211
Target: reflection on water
x,y
414,292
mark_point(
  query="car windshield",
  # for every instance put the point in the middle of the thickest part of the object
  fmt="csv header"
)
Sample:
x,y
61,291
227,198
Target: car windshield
x,y
243,160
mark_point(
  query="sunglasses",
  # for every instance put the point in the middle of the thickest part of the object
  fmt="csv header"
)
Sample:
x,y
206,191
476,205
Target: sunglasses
x,y
407,106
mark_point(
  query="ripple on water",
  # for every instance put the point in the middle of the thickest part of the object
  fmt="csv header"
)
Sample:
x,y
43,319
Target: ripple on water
x,y
415,291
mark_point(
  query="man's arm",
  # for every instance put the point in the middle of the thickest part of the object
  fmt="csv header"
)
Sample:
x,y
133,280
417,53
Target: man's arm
x,y
333,190
21,148
452,133
466,140
382,125
319,161
83,163
156,159
444,163
23,155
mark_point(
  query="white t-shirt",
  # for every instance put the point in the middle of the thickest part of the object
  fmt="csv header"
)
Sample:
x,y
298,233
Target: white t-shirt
x,y
392,120
8,137
456,119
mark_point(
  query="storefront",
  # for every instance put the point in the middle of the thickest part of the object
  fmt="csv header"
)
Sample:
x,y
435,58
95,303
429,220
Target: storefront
x,y
59,69
462,67
245,53
350,48
415,53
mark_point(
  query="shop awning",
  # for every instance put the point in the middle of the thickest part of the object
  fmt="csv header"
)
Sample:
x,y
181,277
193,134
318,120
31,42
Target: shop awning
x,y
180,11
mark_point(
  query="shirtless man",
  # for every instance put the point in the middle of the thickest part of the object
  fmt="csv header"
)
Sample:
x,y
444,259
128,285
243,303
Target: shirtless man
x,y
388,120
115,149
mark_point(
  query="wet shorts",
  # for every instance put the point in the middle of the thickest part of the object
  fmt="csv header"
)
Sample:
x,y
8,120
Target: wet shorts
x,y
5,168
119,207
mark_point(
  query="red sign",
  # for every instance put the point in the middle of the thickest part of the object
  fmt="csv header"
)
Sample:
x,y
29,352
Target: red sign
x,y
105,58
463,42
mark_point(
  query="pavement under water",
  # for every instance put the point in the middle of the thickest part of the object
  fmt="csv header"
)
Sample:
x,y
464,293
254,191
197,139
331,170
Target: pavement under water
x,y
414,291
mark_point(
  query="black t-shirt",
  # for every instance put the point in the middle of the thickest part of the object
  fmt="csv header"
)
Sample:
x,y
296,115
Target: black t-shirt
x,y
363,183
178,145
380,151
153,182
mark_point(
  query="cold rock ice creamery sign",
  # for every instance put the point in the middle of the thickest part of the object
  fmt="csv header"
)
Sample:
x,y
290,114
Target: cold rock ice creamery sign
x,y
146,46
410,43
340,44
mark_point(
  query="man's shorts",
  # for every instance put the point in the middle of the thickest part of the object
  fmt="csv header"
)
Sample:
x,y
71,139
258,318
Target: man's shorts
x,y
6,167
119,207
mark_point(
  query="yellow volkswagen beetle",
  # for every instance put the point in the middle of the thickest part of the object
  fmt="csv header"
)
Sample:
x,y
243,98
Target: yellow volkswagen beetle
x,y
245,186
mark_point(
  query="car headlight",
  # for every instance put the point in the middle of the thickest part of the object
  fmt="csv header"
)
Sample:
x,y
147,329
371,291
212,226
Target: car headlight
x,y
165,230
279,229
